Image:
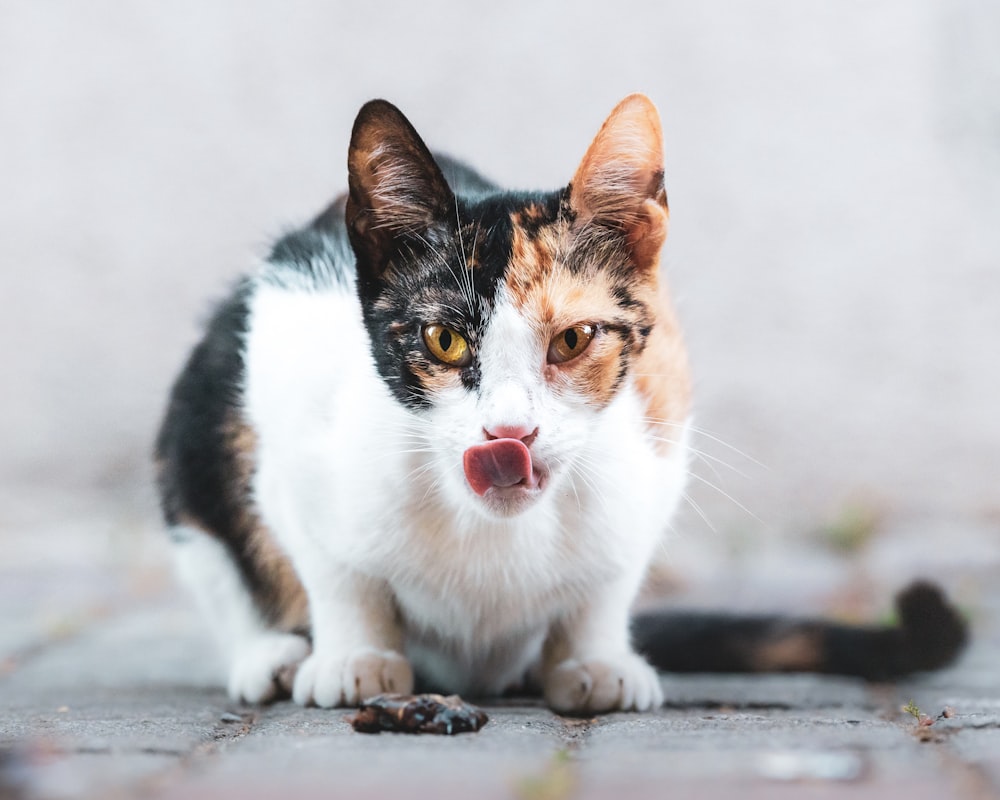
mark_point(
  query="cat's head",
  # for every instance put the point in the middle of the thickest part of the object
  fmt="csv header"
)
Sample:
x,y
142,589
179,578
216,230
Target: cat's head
x,y
512,322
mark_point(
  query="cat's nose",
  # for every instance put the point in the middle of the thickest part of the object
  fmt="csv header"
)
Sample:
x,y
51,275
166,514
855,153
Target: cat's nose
x,y
523,433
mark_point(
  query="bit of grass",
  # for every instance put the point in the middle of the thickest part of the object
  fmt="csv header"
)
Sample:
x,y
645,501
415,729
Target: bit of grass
x,y
913,710
924,730
556,782
853,529
889,619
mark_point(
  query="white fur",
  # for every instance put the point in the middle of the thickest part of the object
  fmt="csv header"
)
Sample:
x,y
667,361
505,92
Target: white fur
x,y
255,654
398,555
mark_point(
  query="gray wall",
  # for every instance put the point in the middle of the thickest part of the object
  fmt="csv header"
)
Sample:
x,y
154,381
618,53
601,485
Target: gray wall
x,y
832,169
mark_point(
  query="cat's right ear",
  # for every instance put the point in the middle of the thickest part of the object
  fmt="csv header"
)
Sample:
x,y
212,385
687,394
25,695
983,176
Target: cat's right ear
x,y
398,195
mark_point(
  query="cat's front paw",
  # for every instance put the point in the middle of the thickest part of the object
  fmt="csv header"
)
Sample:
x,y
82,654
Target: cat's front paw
x,y
621,682
329,680
262,669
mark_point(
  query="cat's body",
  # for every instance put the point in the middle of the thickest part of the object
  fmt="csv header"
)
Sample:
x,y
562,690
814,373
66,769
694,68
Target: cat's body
x,y
468,471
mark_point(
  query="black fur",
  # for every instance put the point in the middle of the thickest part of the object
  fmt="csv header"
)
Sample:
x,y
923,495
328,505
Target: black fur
x,y
198,476
432,240
473,243
190,448
930,634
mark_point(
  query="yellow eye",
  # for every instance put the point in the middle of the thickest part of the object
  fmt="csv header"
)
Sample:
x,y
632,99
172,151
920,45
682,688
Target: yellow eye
x,y
570,343
447,345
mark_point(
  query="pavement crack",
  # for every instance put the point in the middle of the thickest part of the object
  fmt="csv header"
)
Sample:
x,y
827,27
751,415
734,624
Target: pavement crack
x,y
576,730
712,705
64,630
231,726
234,725
173,752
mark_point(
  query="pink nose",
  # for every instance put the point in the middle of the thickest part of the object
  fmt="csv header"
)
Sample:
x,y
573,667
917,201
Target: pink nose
x,y
521,432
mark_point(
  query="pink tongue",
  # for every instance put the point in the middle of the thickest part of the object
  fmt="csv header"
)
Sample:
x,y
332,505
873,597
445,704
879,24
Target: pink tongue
x,y
501,462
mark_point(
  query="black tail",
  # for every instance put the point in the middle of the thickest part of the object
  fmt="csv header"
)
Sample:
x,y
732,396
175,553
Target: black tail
x,y
930,634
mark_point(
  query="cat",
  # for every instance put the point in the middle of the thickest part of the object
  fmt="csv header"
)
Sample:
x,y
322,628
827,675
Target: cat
x,y
442,431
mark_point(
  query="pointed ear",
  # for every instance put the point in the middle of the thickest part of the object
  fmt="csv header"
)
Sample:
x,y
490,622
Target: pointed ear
x,y
397,192
619,183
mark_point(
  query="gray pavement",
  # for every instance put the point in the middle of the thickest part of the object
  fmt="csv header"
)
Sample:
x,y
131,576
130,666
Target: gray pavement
x,y
114,691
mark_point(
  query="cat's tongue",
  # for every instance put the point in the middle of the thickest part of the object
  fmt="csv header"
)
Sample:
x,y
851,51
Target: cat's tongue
x,y
498,463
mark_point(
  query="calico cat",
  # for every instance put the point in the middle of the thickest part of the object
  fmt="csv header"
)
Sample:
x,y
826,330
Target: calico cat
x,y
442,431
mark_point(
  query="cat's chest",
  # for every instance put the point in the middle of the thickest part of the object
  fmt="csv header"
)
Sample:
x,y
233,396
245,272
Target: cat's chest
x,y
468,577
492,594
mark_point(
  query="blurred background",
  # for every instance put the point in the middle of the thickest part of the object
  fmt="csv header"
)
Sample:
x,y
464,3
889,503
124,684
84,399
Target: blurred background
x,y
833,169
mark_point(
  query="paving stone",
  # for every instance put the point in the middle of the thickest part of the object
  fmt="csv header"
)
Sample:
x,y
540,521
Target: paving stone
x,y
763,691
132,704
80,775
306,751
154,645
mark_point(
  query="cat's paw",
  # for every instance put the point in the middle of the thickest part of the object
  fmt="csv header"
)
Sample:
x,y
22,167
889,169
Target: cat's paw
x,y
621,682
263,669
345,680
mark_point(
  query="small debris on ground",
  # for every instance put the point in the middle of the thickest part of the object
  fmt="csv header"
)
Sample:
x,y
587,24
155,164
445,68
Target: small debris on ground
x,y
418,713
924,722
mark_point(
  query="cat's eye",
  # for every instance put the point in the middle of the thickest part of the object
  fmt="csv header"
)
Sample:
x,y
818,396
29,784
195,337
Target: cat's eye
x,y
447,345
568,344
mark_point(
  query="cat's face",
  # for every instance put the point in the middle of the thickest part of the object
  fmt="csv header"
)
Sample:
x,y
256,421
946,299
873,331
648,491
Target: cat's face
x,y
507,324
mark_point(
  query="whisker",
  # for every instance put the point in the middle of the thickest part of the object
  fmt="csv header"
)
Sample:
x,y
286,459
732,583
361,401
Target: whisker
x,y
707,435
438,481
466,273
572,483
725,494
698,510
443,261
580,468
709,460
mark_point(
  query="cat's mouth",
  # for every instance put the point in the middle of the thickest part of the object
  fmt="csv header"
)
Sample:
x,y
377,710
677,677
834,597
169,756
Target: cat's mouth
x,y
503,473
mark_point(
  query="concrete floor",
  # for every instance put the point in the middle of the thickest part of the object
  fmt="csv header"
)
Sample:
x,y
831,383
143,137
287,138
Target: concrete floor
x,y
110,688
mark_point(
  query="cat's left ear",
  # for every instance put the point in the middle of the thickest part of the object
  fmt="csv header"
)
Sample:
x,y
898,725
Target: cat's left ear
x,y
397,191
619,184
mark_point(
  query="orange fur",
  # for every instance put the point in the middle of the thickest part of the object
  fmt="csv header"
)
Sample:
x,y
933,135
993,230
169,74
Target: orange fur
x,y
663,377
550,294
532,256
287,600
795,652
620,180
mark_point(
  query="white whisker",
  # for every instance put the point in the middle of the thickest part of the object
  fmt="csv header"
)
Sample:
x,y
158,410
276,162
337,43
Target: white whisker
x,y
725,494
706,434
698,510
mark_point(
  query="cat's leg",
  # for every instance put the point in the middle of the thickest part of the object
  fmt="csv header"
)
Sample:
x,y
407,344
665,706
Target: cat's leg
x,y
357,639
261,660
588,664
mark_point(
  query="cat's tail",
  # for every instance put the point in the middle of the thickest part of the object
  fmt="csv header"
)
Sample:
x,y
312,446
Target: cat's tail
x,y
929,634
